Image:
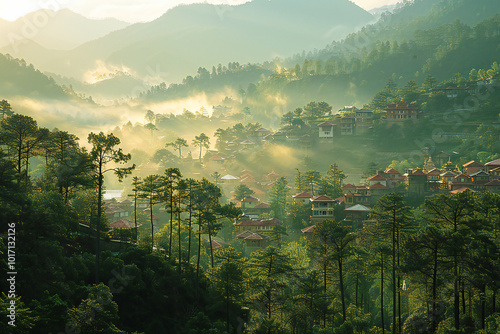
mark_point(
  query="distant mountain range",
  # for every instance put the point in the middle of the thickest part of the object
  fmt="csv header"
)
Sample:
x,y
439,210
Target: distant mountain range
x,y
190,36
61,30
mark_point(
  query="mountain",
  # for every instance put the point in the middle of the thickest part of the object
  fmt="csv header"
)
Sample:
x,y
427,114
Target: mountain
x,y
21,79
433,41
189,36
377,12
60,30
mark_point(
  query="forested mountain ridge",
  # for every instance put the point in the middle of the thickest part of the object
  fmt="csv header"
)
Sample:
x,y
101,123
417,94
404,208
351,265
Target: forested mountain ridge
x,y
190,36
22,79
59,30
353,70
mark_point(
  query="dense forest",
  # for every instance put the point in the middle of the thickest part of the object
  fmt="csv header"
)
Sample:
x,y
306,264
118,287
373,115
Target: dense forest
x,y
410,269
171,253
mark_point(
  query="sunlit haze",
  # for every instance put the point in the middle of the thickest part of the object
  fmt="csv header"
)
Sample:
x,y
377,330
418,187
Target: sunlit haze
x,y
126,10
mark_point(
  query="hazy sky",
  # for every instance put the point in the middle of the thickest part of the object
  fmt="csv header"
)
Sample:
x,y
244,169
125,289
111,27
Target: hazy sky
x,y
125,10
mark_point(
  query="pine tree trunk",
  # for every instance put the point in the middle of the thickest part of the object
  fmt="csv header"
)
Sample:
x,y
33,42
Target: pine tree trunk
x,y
342,294
199,246
152,225
171,220
382,292
98,223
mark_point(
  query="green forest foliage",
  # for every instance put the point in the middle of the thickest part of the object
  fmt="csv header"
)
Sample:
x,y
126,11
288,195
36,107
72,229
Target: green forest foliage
x,y
431,268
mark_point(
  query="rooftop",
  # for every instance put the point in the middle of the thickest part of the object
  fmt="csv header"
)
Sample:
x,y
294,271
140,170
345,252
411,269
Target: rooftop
x,y
479,173
123,224
378,186
322,198
303,195
391,171
493,163
326,124
257,236
473,163
260,222
377,178
494,183
309,229
358,208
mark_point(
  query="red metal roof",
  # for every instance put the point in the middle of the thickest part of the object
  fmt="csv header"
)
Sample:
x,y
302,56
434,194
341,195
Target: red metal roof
x,y
418,172
391,171
303,195
378,186
322,198
377,178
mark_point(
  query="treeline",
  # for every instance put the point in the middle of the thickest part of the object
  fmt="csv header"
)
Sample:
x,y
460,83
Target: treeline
x,y
358,66
62,246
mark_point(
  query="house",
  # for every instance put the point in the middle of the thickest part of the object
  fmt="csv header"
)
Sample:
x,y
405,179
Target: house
x,y
249,180
347,126
254,240
447,177
356,195
377,179
230,179
249,202
472,167
356,214
217,159
402,111
257,226
303,197
493,186
123,229
417,181
434,179
308,232
393,177
492,165
271,177
258,209
114,211
124,224
460,181
322,208
327,129
363,119
261,133
377,190
495,173
480,178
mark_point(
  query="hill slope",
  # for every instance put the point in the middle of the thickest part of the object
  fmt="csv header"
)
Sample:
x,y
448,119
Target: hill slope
x,y
190,36
61,30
